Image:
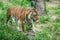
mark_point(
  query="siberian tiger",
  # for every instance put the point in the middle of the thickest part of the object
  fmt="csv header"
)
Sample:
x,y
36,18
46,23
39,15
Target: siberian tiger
x,y
23,14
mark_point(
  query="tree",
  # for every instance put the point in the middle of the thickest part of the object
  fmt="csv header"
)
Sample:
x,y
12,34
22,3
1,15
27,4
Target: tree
x,y
40,5
33,3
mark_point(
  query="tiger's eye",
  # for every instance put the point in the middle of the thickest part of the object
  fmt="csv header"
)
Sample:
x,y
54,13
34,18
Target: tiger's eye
x,y
35,15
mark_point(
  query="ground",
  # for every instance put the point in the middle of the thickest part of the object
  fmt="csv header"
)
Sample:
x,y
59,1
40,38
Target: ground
x,y
51,13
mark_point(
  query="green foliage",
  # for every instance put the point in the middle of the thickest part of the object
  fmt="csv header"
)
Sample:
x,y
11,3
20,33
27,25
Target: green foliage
x,y
20,2
50,31
50,8
46,34
41,36
43,18
1,4
58,10
6,32
5,6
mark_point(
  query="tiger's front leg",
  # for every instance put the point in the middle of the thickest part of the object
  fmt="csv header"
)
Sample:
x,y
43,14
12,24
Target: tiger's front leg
x,y
31,26
22,25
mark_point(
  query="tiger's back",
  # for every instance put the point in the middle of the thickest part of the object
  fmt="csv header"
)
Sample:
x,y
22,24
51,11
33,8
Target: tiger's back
x,y
17,11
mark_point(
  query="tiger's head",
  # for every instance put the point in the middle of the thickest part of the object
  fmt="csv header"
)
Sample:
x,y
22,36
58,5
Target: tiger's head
x,y
35,15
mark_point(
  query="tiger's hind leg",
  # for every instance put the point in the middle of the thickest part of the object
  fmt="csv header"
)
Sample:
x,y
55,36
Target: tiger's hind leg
x,y
7,18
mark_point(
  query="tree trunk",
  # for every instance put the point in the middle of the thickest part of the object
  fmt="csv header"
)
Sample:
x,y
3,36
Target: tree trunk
x,y
40,5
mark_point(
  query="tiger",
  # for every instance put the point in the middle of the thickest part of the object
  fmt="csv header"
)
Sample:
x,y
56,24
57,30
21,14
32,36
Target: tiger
x,y
24,14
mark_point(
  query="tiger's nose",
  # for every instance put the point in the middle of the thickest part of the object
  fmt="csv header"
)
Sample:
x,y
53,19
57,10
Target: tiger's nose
x,y
38,18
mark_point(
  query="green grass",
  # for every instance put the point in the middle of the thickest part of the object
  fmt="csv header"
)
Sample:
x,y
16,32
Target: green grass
x,y
50,31
44,18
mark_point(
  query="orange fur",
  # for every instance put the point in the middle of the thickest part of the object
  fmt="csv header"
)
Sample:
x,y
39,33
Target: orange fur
x,y
20,13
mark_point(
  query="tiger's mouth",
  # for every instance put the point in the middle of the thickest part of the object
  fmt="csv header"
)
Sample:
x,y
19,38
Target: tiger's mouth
x,y
34,19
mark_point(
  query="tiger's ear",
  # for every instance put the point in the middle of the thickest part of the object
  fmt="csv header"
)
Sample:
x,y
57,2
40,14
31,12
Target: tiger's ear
x,y
34,9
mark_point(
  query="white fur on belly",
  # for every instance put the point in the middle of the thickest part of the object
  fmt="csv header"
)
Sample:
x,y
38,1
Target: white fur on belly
x,y
15,19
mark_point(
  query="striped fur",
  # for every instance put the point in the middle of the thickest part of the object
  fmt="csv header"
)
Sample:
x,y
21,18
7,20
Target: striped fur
x,y
22,13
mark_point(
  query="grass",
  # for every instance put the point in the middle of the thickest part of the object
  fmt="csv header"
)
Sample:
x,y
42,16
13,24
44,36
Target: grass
x,y
49,27
50,31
